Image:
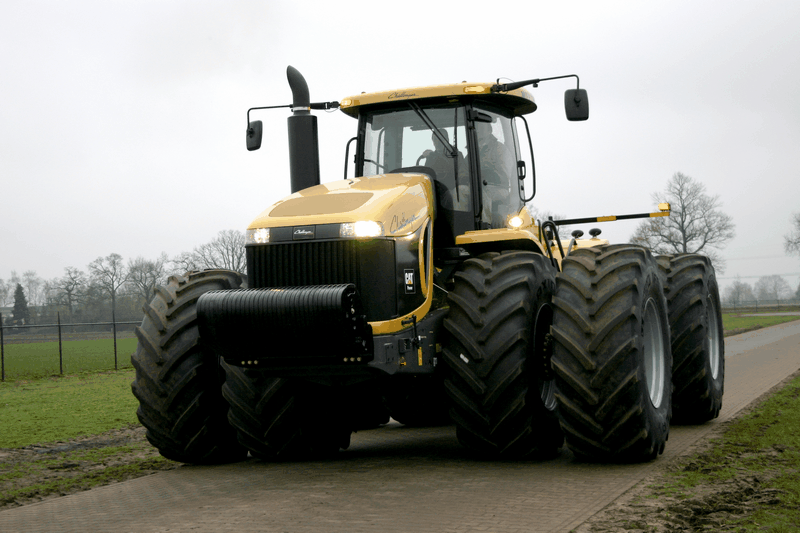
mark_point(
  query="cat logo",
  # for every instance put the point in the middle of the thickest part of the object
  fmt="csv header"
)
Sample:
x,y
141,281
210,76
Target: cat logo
x,y
409,282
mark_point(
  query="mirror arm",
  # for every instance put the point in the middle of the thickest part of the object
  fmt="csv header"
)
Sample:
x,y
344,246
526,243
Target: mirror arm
x,y
505,87
318,105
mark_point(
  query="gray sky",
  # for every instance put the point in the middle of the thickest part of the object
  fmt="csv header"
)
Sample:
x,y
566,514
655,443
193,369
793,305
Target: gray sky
x,y
122,123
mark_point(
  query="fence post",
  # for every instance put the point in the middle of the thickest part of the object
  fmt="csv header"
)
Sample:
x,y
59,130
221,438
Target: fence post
x,y
2,350
114,327
60,353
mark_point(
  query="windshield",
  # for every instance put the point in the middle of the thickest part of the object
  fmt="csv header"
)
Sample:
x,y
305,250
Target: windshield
x,y
498,153
412,137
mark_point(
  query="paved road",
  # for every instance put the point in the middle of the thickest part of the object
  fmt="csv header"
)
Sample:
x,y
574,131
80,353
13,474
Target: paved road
x,y
396,479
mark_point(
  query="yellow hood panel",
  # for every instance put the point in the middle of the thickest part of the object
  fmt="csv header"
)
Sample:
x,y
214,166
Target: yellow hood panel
x,y
401,202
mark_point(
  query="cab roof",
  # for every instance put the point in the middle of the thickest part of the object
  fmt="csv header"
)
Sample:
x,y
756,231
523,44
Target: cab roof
x,y
519,100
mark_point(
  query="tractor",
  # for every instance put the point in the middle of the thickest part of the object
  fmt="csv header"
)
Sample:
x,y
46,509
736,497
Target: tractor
x,y
421,288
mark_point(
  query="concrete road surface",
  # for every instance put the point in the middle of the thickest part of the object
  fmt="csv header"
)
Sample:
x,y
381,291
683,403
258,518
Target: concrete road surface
x,y
397,479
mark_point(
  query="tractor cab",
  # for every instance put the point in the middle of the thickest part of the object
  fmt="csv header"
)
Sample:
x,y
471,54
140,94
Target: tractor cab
x,y
468,145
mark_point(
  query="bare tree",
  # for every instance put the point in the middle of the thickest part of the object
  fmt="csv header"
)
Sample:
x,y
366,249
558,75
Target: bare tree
x,y
739,292
542,215
33,287
225,251
110,274
792,239
5,289
144,275
695,225
67,289
183,262
772,288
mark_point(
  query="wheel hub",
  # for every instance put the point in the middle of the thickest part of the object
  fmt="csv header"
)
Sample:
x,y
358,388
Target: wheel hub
x,y
654,366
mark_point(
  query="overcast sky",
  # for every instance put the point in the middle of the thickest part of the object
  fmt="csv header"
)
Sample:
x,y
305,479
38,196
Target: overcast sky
x,y
122,123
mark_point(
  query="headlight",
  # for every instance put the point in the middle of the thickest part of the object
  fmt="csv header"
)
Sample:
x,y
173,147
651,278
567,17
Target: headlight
x,y
257,236
363,228
515,222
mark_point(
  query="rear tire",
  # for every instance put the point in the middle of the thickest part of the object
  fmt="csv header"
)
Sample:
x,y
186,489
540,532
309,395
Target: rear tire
x,y
178,384
283,418
698,349
612,354
495,353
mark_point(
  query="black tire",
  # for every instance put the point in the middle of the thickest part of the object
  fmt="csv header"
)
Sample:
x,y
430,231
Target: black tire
x,y
284,418
698,348
178,384
417,401
494,354
612,354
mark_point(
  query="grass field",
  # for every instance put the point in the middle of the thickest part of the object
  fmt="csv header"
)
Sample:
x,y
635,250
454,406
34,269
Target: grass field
x,y
53,409
40,359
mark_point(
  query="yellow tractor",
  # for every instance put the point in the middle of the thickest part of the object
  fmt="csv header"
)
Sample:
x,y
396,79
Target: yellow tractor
x,y
421,288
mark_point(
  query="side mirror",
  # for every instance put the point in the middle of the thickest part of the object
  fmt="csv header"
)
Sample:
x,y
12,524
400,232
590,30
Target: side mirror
x,y
576,104
254,131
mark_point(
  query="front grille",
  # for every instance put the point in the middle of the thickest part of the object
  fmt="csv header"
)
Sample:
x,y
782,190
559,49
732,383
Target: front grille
x,y
302,264
369,265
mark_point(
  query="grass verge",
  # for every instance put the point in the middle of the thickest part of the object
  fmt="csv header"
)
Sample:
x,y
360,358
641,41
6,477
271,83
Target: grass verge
x,y
749,478
735,324
746,479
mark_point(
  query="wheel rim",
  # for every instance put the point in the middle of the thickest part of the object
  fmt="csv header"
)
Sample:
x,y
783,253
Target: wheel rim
x,y
713,338
547,390
547,387
653,353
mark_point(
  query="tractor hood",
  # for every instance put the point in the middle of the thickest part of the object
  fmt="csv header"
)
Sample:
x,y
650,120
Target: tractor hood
x,y
399,202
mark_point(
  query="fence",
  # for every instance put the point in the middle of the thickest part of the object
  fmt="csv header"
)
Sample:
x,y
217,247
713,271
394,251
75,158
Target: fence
x,y
35,362
759,305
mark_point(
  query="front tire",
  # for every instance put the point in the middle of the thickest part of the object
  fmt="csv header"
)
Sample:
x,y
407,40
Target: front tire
x,y
178,384
612,354
495,355
698,348
284,418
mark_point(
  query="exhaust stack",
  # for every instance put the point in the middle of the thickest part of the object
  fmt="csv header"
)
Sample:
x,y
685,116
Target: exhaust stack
x,y
303,137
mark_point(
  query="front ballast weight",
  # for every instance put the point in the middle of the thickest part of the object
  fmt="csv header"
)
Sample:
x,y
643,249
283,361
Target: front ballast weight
x,y
321,327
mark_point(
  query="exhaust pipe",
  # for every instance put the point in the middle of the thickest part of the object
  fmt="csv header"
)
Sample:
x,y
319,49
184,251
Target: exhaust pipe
x,y
303,137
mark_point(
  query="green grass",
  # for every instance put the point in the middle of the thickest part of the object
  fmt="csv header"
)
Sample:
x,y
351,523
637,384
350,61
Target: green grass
x,y
55,409
40,359
753,468
735,323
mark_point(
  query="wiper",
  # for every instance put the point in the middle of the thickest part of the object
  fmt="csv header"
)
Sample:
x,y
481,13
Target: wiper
x,y
451,152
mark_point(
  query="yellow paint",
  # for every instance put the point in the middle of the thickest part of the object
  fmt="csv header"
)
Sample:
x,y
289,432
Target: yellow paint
x,y
660,214
419,355
402,203
497,235
521,100
606,219
394,325
423,273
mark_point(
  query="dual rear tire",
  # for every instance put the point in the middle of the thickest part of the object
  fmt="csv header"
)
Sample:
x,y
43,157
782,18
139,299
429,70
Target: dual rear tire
x,y
612,356
698,348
